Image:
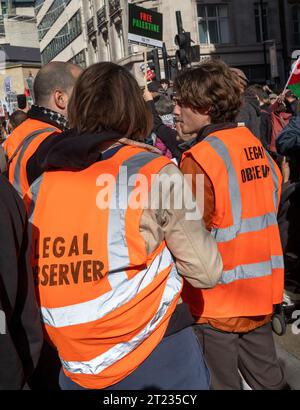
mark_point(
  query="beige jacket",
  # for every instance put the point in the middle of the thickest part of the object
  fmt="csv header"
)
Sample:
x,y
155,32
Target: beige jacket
x,y
195,251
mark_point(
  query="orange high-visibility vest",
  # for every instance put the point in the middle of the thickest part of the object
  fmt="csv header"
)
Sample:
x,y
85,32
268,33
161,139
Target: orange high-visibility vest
x,y
105,303
19,148
247,185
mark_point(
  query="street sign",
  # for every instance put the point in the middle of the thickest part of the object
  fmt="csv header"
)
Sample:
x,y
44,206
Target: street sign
x,y
145,26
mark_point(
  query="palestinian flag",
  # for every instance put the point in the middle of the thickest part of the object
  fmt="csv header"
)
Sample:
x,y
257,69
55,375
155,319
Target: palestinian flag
x,y
294,81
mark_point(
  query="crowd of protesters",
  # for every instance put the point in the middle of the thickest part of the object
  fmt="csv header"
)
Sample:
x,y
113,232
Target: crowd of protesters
x,y
127,297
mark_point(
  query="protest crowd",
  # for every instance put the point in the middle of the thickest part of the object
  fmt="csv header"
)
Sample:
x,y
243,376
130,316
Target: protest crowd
x,y
148,234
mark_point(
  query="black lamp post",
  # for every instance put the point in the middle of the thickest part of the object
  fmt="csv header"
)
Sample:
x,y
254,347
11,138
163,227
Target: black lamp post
x,y
284,45
263,33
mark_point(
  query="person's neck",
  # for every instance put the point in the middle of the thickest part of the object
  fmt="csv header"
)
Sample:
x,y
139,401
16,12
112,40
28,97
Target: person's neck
x,y
52,108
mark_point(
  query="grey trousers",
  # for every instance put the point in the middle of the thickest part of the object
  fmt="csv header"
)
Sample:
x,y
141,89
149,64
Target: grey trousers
x,y
253,354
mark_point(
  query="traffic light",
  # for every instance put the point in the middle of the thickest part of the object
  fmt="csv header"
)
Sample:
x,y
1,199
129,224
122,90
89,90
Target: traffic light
x,y
153,63
183,41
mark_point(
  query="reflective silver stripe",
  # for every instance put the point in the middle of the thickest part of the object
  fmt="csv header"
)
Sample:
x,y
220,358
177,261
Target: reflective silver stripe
x,y
108,358
253,270
97,308
277,262
234,188
275,181
244,225
240,225
118,258
26,142
248,225
34,189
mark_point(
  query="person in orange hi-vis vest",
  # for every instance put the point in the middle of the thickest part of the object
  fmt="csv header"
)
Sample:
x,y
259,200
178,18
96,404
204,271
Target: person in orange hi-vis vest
x,y
242,188
104,234
53,86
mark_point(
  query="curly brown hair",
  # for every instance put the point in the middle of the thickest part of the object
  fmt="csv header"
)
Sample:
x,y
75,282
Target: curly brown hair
x,y
107,97
211,86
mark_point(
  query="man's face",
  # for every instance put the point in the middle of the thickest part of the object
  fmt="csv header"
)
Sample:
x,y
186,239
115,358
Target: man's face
x,y
191,121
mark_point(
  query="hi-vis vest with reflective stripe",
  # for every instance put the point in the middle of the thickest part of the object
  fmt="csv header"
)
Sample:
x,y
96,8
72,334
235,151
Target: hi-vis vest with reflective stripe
x,y
20,146
247,186
105,304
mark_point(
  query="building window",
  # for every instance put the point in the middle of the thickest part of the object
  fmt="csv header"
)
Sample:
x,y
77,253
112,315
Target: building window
x,y
296,24
63,38
213,24
2,28
255,73
261,22
101,17
79,59
51,16
114,6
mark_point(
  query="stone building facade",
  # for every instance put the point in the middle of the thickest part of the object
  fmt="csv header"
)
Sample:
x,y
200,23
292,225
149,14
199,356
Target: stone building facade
x,y
258,36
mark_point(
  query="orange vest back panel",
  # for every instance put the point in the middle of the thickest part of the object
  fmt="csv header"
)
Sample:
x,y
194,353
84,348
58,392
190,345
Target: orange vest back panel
x,y
104,302
21,145
247,186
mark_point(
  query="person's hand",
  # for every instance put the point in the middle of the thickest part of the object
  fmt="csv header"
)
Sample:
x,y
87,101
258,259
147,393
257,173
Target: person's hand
x,y
280,99
285,169
147,95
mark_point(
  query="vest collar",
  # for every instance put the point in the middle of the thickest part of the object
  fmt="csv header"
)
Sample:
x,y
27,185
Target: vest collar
x,y
205,132
79,151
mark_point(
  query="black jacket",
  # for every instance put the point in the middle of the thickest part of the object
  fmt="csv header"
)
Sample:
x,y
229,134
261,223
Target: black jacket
x,y
266,128
289,227
67,150
250,115
288,141
21,342
166,134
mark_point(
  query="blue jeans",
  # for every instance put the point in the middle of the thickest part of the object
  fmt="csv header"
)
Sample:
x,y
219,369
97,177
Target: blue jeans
x,y
177,363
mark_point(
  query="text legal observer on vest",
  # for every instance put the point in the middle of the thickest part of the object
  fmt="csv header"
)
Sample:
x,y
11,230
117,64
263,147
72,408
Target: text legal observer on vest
x,y
114,193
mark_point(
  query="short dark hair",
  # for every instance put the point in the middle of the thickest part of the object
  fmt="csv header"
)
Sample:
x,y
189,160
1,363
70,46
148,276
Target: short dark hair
x,y
107,97
164,105
257,90
212,86
165,81
17,118
52,76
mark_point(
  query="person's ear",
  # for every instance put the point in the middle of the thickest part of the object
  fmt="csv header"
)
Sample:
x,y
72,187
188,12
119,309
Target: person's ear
x,y
61,99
